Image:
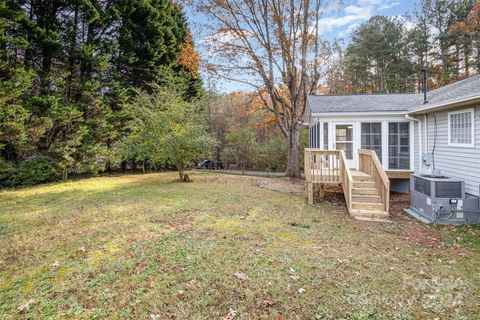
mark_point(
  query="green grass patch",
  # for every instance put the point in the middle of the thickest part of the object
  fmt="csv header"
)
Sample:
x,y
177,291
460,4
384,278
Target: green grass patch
x,y
146,247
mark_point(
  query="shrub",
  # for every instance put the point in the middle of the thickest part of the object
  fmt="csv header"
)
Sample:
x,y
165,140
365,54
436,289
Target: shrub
x,y
6,172
33,171
241,148
273,153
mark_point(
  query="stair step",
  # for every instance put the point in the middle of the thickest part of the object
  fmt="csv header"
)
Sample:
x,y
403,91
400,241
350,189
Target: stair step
x,y
362,178
364,191
364,184
377,206
369,213
366,198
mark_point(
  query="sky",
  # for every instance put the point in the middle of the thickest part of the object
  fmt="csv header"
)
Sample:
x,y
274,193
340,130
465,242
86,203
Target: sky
x,y
338,21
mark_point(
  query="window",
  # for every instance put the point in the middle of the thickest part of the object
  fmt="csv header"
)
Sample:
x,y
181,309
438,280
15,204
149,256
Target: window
x,y
372,138
325,136
461,128
399,145
314,141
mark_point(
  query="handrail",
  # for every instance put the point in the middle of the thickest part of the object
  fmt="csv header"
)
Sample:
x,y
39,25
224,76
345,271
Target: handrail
x,y
370,164
347,181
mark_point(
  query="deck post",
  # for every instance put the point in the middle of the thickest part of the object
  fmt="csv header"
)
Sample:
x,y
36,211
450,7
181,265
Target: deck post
x,y
322,191
310,192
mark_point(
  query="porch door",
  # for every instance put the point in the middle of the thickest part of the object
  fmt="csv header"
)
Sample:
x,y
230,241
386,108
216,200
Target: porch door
x,y
344,140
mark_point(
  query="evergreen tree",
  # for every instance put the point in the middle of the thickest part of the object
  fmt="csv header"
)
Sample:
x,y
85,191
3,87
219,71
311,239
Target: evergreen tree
x,y
15,81
377,59
150,35
69,70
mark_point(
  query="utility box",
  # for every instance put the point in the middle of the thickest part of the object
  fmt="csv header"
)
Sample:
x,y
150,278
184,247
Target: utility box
x,y
440,199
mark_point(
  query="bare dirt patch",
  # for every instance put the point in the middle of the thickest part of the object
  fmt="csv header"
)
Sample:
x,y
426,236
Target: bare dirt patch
x,y
407,229
287,185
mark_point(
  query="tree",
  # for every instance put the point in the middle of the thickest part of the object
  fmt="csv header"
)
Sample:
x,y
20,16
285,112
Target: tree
x,y
274,47
149,40
167,130
466,32
241,147
15,81
377,59
68,70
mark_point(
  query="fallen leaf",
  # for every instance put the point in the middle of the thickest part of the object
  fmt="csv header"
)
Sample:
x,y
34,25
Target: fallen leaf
x,y
267,303
139,269
26,306
242,276
231,315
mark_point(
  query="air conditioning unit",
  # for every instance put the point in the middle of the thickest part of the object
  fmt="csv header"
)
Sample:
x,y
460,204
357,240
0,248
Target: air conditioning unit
x,y
439,199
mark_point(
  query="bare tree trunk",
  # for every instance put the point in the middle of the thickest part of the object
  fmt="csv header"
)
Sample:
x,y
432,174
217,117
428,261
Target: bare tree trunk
x,y
293,165
181,173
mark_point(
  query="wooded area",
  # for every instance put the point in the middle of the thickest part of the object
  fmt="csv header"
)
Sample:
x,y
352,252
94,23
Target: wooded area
x,y
84,83
70,71
387,54
274,47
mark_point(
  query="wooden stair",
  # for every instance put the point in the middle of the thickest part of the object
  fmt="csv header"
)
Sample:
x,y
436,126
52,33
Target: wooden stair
x,y
366,200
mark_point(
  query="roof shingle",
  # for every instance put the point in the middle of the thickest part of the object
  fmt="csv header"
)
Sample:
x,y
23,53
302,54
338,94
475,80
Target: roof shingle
x,y
464,89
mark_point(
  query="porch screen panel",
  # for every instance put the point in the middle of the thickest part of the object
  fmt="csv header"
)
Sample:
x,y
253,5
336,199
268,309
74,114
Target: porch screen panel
x,y
314,136
372,137
344,139
325,136
399,145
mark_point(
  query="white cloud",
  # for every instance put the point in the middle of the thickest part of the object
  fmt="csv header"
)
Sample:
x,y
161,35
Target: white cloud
x,y
355,10
344,21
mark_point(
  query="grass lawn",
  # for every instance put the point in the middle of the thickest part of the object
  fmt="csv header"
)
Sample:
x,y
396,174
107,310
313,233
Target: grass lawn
x,y
222,247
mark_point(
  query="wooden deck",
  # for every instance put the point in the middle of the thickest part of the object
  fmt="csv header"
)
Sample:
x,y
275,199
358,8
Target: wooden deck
x,y
394,174
367,191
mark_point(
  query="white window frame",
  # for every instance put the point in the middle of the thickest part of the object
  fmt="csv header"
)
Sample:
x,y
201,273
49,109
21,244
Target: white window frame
x,y
472,117
386,143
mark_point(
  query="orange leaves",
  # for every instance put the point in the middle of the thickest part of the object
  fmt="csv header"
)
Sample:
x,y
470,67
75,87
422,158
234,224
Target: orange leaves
x,y
472,23
188,57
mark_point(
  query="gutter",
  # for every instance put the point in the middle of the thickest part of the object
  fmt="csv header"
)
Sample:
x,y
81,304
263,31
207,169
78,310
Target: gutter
x,y
364,113
452,104
420,139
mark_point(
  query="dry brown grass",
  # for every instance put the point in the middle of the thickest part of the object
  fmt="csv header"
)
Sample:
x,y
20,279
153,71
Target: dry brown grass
x,y
146,247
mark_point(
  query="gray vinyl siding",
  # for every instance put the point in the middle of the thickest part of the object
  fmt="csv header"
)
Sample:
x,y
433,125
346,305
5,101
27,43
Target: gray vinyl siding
x,y
416,139
458,162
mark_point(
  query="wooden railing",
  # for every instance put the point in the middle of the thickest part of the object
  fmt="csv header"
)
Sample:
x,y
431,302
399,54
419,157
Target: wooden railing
x,y
347,181
369,164
328,167
324,166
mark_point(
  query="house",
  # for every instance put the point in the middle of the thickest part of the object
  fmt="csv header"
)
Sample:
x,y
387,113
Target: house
x,y
409,133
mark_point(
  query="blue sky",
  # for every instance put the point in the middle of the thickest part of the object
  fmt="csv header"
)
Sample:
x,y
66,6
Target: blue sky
x,y
337,22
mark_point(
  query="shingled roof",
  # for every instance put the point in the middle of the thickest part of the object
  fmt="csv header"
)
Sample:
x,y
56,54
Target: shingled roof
x,y
363,102
461,90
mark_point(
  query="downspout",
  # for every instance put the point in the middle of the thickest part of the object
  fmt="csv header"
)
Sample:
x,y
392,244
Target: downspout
x,y
420,138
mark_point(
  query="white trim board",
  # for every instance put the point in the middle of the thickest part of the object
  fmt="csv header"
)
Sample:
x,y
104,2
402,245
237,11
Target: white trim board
x,y
472,133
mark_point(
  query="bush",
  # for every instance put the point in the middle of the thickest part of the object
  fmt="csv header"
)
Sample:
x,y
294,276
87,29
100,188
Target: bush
x,y
273,153
6,172
241,148
33,171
